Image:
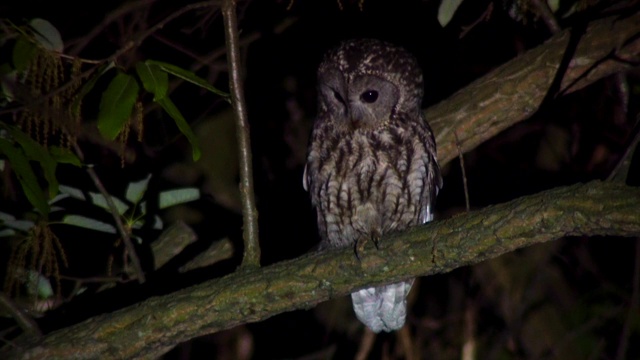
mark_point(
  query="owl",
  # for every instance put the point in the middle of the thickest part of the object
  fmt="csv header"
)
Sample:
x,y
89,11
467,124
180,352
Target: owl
x,y
371,166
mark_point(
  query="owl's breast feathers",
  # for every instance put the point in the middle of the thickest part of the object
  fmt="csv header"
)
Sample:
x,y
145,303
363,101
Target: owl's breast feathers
x,y
367,183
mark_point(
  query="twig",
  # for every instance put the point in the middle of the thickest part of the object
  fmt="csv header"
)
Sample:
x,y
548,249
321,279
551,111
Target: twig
x,y
633,307
249,213
404,335
484,17
183,49
621,171
25,322
116,217
244,41
464,174
140,38
366,344
95,279
547,16
214,55
469,329
111,17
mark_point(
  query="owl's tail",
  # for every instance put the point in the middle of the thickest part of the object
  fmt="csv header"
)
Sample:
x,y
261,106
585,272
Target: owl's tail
x,y
383,307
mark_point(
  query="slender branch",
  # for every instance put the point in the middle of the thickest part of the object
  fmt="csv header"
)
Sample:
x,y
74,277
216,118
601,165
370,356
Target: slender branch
x,y
633,307
124,234
26,323
150,328
141,37
81,43
249,212
547,16
465,185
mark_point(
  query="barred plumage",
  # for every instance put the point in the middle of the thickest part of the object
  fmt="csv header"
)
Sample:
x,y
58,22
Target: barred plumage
x,y
371,167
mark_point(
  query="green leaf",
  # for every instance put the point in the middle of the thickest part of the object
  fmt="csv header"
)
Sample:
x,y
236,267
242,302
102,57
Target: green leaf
x,y
39,283
47,35
37,152
446,11
23,52
178,196
88,223
4,217
173,111
73,192
8,82
10,221
27,178
22,225
88,86
136,190
64,156
116,105
157,223
7,232
153,79
188,76
100,201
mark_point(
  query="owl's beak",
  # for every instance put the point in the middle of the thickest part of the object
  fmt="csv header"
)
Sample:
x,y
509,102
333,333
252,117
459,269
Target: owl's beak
x,y
358,116
354,116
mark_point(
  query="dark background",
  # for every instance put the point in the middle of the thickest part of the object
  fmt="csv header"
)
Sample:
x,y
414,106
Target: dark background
x,y
576,291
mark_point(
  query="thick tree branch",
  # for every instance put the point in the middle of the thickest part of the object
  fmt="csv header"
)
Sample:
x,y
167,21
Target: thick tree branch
x,y
152,327
514,91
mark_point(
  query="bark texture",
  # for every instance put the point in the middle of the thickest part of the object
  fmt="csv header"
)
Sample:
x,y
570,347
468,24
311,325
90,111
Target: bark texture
x,y
152,327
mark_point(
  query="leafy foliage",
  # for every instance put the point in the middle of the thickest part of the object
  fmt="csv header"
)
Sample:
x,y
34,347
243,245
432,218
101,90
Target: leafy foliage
x,y
116,105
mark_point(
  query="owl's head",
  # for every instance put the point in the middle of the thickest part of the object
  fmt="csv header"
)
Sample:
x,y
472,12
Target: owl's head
x,y
367,83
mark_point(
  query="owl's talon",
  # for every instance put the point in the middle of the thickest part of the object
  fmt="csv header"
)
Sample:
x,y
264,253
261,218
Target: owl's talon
x,y
355,250
376,240
359,245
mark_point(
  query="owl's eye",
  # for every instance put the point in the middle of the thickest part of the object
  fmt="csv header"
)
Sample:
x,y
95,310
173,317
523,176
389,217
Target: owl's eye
x,y
338,96
369,96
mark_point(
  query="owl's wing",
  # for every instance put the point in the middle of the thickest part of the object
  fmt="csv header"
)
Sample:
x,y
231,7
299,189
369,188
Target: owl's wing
x,y
435,184
305,180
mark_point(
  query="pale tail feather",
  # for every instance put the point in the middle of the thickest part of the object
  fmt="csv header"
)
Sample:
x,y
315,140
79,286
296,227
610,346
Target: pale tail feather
x,y
383,307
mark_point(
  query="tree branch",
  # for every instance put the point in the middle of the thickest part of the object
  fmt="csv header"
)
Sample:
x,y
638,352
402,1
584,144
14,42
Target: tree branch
x,y
150,328
249,213
514,91
28,325
124,233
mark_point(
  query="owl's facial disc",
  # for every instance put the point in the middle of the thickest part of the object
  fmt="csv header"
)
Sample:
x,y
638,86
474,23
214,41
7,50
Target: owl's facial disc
x,y
371,101
361,111
358,101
